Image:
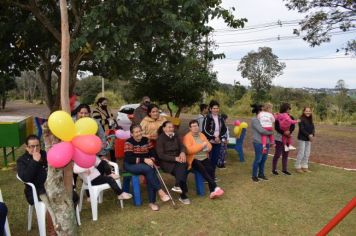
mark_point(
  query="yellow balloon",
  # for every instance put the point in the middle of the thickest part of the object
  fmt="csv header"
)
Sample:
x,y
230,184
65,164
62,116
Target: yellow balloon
x,y
237,130
243,125
85,126
61,125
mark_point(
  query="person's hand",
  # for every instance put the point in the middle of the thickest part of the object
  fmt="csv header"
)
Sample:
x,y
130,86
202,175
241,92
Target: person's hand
x,y
183,157
217,140
178,159
149,162
286,133
311,137
36,155
87,171
153,136
205,144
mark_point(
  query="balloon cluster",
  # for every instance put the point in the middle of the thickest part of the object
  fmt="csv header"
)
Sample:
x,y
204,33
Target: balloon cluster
x,y
80,143
238,127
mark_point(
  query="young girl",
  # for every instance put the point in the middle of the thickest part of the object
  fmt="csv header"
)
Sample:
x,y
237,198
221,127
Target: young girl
x,y
266,119
285,121
306,135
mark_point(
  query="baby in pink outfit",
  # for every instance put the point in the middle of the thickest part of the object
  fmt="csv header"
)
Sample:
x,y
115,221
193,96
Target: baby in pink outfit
x,y
285,121
266,119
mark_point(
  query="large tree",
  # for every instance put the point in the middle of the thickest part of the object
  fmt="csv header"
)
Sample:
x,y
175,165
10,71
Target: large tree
x,y
260,68
325,18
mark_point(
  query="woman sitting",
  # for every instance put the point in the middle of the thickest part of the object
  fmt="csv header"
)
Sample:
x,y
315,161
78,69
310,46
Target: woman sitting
x,y
198,148
151,123
139,160
171,154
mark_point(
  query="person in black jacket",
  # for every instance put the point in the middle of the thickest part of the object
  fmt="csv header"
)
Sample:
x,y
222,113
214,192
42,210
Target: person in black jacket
x,y
32,167
305,137
214,129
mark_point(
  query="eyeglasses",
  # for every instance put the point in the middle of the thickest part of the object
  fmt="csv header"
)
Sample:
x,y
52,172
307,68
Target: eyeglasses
x,y
34,146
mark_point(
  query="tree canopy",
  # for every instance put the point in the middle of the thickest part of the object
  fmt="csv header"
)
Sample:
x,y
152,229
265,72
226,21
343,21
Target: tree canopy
x,y
260,68
325,18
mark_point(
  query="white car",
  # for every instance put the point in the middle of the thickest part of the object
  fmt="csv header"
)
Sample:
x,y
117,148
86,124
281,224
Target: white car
x,y
125,115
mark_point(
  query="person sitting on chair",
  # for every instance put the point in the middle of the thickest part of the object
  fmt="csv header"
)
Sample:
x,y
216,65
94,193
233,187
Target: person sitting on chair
x,y
139,160
172,159
198,148
32,167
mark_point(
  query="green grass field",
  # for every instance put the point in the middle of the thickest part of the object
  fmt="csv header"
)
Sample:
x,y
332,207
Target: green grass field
x,y
300,204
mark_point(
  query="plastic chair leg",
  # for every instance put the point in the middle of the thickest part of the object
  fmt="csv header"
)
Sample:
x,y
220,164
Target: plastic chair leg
x,y
94,205
136,190
80,205
199,183
78,215
121,201
29,217
41,218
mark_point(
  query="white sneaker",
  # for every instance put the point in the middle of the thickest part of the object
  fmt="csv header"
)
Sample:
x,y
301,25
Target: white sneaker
x,y
124,196
292,148
286,148
185,201
177,189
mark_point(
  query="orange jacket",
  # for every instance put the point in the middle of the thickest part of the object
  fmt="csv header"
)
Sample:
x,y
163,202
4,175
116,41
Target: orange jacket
x,y
193,148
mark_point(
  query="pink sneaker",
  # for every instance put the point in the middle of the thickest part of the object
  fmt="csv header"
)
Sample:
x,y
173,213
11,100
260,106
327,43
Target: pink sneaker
x,y
218,192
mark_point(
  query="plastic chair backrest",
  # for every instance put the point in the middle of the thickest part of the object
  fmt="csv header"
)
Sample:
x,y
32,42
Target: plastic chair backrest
x,y
34,191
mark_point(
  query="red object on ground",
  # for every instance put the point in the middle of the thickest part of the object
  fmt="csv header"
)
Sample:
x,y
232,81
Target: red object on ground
x,y
119,148
341,215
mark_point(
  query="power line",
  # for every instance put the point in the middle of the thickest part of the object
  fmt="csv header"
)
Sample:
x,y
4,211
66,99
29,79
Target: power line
x,y
275,23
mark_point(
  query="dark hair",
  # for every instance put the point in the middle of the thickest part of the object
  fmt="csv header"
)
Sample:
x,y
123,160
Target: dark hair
x,y
224,116
150,107
256,108
193,122
133,126
213,103
202,107
100,100
284,107
31,137
303,117
81,106
160,129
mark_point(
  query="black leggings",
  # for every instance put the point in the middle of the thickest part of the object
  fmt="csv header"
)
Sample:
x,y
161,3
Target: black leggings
x,y
180,173
207,171
101,179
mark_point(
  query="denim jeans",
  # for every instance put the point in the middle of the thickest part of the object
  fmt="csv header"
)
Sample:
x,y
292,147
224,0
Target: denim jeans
x,y
214,154
258,166
153,184
303,154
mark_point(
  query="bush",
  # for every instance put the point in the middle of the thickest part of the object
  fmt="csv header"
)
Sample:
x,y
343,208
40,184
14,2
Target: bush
x,y
115,100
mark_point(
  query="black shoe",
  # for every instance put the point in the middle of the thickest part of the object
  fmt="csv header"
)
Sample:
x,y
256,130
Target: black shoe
x,y
286,173
262,177
255,179
274,172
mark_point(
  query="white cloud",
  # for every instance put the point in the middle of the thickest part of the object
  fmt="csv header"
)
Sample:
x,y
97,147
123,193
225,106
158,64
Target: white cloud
x,y
298,73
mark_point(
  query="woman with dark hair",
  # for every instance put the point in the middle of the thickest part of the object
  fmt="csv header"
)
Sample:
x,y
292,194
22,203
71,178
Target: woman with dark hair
x,y
258,166
172,158
139,160
103,114
215,131
151,123
280,149
306,135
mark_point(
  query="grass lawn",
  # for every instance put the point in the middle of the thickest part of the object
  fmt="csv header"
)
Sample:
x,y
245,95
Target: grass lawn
x,y
300,204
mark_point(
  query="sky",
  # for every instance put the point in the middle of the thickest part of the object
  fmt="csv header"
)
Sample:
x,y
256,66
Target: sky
x,y
313,67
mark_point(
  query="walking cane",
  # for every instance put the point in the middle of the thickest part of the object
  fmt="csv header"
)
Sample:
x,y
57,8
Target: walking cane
x,y
165,186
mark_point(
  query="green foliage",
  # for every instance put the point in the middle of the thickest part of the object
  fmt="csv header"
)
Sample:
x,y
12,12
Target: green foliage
x,y
7,83
325,18
88,88
260,68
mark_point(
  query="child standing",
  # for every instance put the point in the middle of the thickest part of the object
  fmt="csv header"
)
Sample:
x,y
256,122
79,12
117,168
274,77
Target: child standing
x,y
285,121
266,119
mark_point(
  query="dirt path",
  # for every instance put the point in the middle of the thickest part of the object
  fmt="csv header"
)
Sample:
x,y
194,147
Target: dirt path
x,y
334,145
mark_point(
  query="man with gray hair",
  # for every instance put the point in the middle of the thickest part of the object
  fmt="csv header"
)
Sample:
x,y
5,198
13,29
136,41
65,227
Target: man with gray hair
x,y
141,111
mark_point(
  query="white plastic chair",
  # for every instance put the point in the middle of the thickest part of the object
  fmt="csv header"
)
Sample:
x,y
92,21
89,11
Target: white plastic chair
x,y
96,192
7,228
40,208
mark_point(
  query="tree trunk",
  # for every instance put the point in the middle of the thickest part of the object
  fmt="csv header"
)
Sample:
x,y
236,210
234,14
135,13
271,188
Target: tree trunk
x,y
169,109
3,100
178,111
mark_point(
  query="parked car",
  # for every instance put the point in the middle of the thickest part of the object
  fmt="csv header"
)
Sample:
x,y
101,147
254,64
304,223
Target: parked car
x,y
125,115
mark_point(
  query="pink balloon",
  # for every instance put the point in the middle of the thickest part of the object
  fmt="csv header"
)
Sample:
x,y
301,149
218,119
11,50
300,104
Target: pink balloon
x,y
83,159
60,154
122,134
90,144
237,123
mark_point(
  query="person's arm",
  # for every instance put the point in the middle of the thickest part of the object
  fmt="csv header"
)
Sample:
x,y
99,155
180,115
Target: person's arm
x,y
205,131
130,156
192,147
204,139
27,170
302,129
292,126
257,125
223,130
161,152
277,127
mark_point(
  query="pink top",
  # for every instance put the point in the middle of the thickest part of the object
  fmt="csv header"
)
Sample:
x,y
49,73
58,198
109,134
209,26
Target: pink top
x,y
285,121
217,127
